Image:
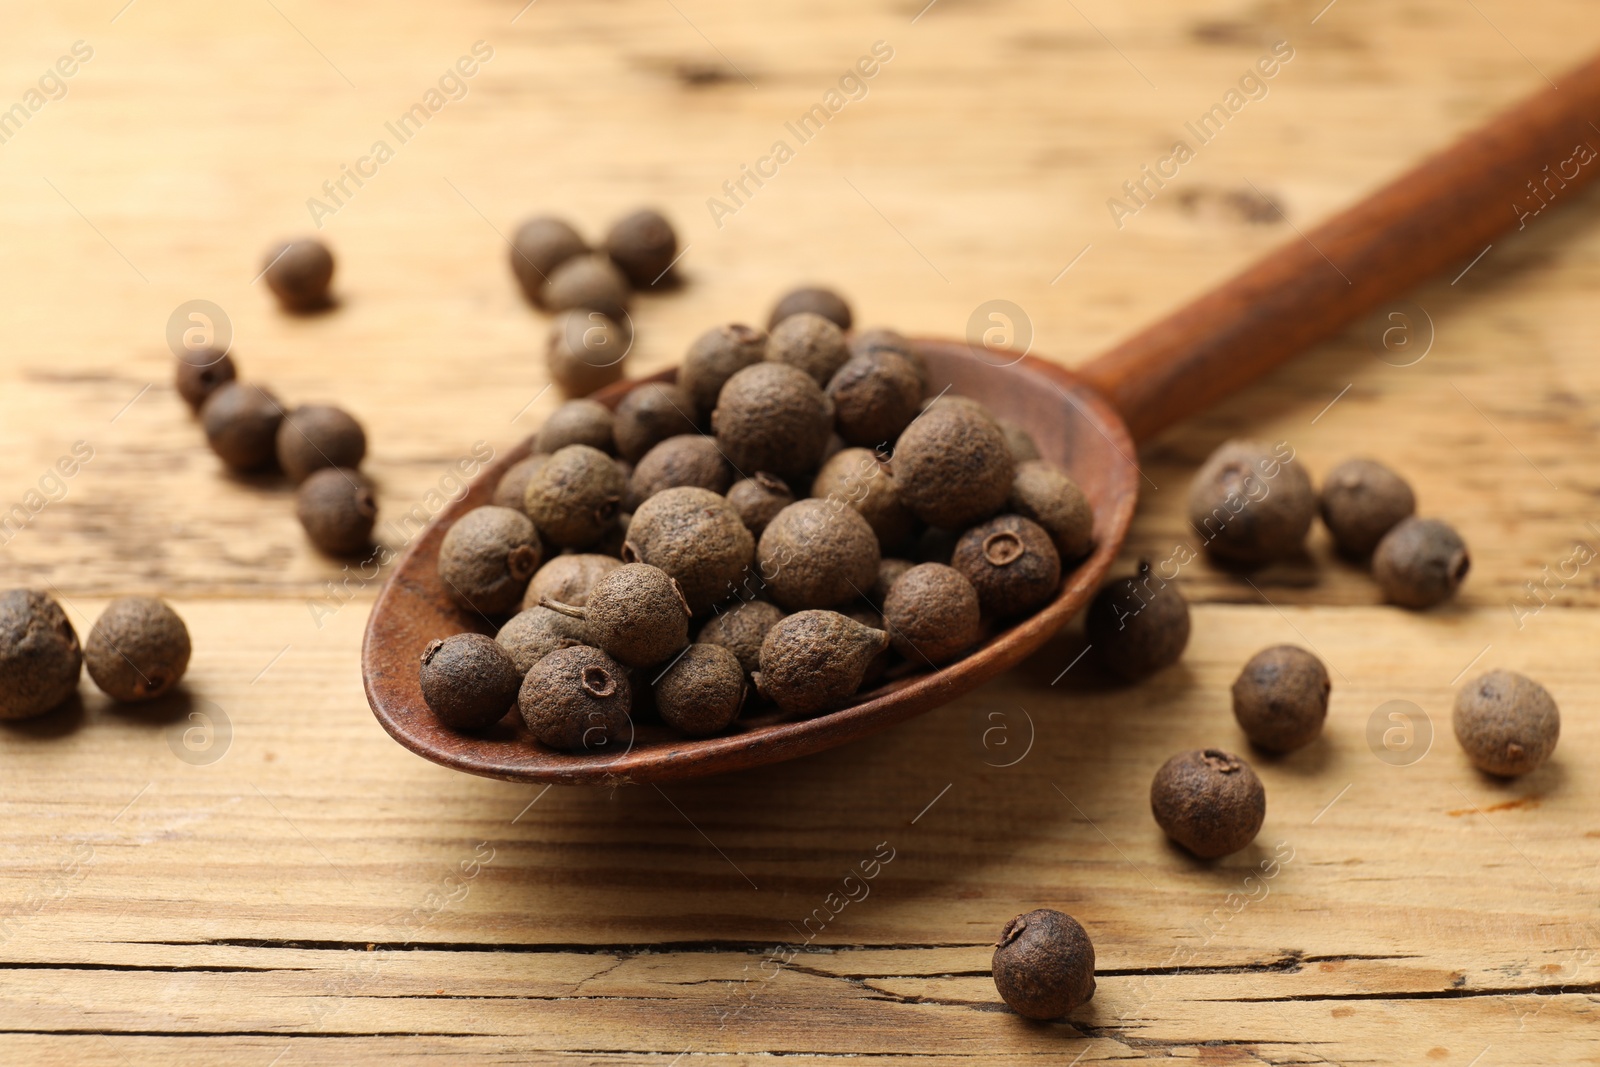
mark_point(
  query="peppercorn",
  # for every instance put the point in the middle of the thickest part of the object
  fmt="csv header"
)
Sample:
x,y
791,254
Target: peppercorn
x,y
574,498
1209,801
1420,563
40,659
818,554
702,691
314,436
1252,505
487,557
758,499
578,700
512,487
811,343
874,398
859,478
1281,698
533,633
1507,723
688,459
1047,496
568,578
1044,964
1361,501
818,301
298,273
649,415
202,372
932,614
814,661
589,281
1012,564
953,466
717,355
636,614
773,417
578,422
540,246
1138,625
584,351
469,681
137,650
338,510
643,246
241,423
696,537
742,630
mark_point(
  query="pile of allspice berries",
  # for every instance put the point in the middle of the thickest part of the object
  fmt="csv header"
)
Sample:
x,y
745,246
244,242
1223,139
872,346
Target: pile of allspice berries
x,y
792,519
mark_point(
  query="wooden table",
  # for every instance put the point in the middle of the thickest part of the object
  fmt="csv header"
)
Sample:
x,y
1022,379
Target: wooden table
x,y
294,888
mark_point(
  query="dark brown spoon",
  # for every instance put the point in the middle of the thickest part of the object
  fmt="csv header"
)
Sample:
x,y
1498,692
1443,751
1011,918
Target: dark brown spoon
x,y
1441,214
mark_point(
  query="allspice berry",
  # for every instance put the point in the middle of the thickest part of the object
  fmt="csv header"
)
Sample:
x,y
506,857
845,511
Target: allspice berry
x,y
137,650
1018,440
589,281
889,572
696,537
241,423
1252,503
758,499
1281,698
814,661
814,299
1012,563
1045,494
1209,801
643,245
539,246
1044,964
874,398
932,614
636,614
568,578
953,466
878,666
1507,723
811,343
871,342
532,634
575,497
299,273
314,436
1361,501
512,488
860,478
688,459
202,372
337,509
741,631
487,557
40,659
1138,625
468,681
578,422
818,554
773,417
578,700
713,358
585,350
1420,563
649,415
702,691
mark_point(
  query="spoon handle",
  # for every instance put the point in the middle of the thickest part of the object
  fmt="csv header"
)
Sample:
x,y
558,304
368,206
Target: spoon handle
x,y
1440,214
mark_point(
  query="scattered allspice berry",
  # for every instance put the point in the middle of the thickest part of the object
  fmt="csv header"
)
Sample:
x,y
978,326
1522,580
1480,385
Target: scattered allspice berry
x,y
713,358
813,661
1252,503
1361,501
299,273
643,245
773,417
469,681
636,614
932,614
810,343
241,423
137,650
568,578
742,630
874,397
953,466
532,634
1281,698
818,301
589,281
575,497
1044,964
696,537
1045,494
1209,801
314,436
1420,563
1138,625
202,372
487,557
1507,723
859,477
758,499
578,700
702,691
818,554
578,422
40,659
689,459
1012,563
585,351
649,415
338,510
512,488
539,246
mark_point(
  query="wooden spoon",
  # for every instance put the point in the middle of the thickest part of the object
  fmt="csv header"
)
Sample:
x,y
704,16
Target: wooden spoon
x,y
1441,214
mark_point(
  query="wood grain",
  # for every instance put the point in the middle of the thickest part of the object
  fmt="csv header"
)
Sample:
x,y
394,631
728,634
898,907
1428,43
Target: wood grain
x,y
225,911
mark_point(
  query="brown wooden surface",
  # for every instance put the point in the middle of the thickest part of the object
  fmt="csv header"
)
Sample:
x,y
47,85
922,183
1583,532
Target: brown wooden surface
x,y
302,897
